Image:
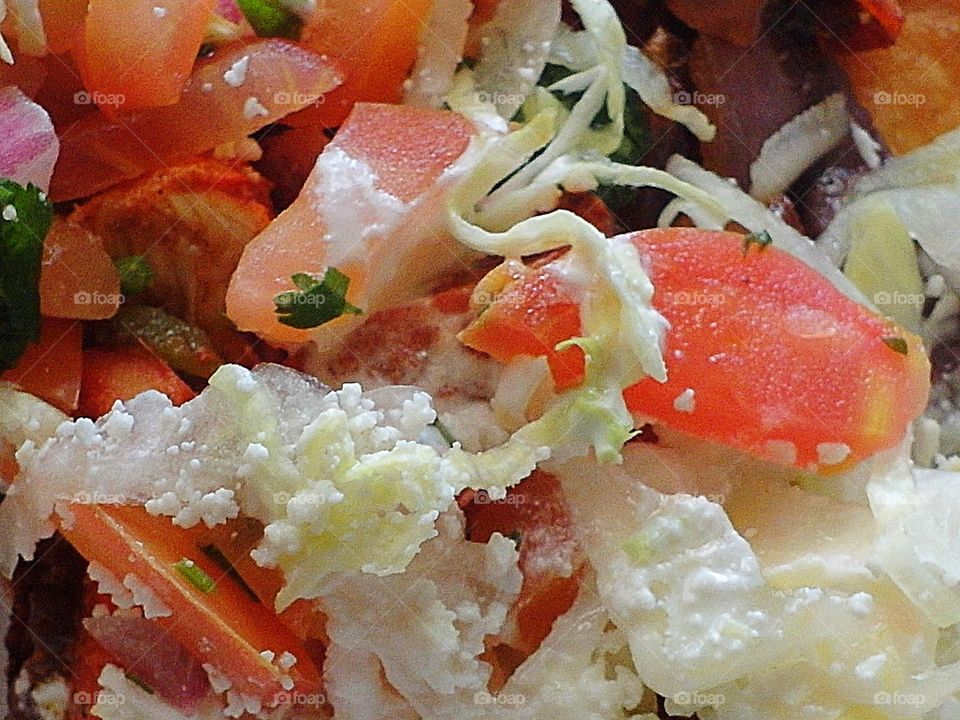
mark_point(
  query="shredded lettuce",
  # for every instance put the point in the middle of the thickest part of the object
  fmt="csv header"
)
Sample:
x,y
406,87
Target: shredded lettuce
x,y
522,173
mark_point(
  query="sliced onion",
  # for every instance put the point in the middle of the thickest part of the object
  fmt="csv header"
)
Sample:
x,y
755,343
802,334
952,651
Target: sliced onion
x,y
5,53
29,148
441,50
28,27
281,78
229,10
756,217
924,189
797,145
515,45
147,651
652,85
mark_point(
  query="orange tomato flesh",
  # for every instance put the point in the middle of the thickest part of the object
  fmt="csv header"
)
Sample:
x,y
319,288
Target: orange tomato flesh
x,y
78,279
224,627
135,53
120,374
406,148
537,511
781,364
374,45
51,368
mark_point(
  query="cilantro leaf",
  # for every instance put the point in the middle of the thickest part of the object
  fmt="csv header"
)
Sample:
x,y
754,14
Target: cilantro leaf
x,y
135,272
897,344
316,302
25,218
269,18
761,239
637,136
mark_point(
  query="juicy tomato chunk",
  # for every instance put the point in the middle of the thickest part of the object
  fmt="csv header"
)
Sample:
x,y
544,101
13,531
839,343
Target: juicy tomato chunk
x,y
78,279
120,374
138,53
222,626
408,150
534,513
763,353
51,368
528,317
374,47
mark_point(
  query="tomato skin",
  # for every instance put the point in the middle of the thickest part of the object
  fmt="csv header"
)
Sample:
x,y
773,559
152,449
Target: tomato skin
x,y
51,368
224,627
133,56
778,360
121,374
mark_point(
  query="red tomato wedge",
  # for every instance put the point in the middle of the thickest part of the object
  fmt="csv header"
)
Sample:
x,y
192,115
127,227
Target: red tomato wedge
x,y
139,53
78,279
372,208
536,513
374,43
888,14
50,368
62,22
780,363
223,627
120,374
100,151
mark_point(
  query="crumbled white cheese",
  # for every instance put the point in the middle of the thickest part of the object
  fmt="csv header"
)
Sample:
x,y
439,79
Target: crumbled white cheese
x,y
236,75
830,453
9,213
109,584
444,615
685,401
144,596
252,108
159,12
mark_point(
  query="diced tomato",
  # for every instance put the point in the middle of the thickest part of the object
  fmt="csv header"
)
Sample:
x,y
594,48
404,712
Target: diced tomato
x,y
224,627
78,279
374,44
138,53
407,150
780,363
592,209
528,317
887,13
100,151
50,368
120,374
89,659
535,513
62,22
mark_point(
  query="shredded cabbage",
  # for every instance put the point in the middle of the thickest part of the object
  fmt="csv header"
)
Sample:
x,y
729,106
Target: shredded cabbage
x,y
736,205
